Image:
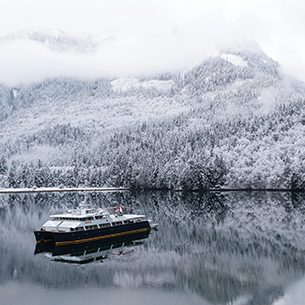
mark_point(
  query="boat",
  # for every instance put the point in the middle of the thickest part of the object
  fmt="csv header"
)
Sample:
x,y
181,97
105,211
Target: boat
x,y
85,224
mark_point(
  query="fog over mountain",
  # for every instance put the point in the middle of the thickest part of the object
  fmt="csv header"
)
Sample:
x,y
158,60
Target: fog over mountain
x,y
235,120
60,41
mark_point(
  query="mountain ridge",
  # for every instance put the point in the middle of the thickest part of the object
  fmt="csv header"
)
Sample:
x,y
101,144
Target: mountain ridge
x,y
233,121
61,41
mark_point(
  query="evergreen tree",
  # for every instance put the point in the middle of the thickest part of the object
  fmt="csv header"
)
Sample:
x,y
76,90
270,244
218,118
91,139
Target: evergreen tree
x,y
12,175
3,165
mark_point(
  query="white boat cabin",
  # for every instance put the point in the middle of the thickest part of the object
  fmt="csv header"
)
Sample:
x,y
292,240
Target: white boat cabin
x,y
89,219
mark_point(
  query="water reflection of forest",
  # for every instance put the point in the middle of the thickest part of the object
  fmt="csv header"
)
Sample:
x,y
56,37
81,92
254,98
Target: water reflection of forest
x,y
220,246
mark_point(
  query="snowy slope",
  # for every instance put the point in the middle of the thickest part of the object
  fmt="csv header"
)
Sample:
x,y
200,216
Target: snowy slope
x,y
234,120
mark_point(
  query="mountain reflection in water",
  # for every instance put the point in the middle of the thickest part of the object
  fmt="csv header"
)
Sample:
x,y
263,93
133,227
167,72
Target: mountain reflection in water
x,y
229,248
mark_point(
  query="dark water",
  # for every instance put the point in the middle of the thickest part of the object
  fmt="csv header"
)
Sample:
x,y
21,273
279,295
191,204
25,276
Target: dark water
x,y
232,248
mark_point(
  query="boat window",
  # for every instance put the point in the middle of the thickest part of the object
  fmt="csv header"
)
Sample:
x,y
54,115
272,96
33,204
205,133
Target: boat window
x,y
77,253
79,229
88,218
93,250
117,246
117,223
91,227
103,225
104,248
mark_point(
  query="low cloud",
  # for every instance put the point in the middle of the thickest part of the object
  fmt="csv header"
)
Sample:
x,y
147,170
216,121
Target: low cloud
x,y
150,37
127,53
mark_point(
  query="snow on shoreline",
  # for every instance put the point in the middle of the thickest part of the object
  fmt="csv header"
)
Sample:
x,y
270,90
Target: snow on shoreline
x,y
60,190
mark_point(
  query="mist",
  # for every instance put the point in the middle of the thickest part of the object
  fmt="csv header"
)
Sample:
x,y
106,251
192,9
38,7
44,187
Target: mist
x,y
147,38
124,55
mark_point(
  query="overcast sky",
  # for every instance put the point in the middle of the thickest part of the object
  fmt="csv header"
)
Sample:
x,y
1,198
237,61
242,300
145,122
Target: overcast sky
x,y
149,36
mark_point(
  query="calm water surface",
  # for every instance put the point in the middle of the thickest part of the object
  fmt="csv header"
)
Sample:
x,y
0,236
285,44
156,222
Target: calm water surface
x,y
232,248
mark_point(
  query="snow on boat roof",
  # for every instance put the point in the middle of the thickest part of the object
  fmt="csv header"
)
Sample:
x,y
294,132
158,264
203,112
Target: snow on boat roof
x,y
52,223
69,224
89,212
80,214
72,215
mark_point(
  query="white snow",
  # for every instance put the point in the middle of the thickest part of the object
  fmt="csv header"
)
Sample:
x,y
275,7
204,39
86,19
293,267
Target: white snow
x,y
259,149
126,84
60,41
15,92
234,59
60,189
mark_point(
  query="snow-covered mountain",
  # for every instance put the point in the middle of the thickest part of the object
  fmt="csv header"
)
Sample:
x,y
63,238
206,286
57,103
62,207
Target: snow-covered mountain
x,y
61,41
233,121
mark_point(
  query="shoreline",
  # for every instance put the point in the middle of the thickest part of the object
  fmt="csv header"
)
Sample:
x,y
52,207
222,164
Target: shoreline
x,y
60,190
119,189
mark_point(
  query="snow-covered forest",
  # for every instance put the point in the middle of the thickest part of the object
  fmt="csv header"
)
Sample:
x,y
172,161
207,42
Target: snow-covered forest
x,y
234,121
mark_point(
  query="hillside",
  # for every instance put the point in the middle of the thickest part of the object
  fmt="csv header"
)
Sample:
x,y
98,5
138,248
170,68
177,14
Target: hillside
x,y
234,121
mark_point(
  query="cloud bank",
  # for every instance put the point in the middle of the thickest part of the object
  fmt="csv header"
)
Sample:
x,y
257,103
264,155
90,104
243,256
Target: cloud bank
x,y
149,36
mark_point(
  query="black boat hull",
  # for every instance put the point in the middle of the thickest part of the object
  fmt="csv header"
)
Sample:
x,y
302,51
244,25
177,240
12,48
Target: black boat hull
x,y
94,235
50,247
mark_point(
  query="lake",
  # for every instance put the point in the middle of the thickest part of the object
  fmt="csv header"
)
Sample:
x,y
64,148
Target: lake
x,y
210,248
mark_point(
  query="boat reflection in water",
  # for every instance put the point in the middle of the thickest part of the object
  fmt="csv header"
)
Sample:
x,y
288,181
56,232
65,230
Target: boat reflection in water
x,y
90,252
